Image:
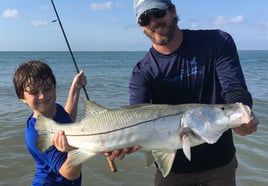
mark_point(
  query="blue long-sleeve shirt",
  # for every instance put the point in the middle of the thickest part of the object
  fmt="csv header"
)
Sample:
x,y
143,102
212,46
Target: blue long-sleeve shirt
x,y
204,69
49,162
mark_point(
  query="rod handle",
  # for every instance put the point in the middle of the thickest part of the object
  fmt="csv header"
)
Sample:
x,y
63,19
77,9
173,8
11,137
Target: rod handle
x,y
111,165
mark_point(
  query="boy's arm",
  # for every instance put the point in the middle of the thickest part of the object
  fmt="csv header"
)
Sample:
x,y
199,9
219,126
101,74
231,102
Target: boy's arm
x,y
73,98
59,140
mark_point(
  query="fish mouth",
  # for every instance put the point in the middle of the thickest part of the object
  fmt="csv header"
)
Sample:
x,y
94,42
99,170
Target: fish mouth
x,y
242,113
247,115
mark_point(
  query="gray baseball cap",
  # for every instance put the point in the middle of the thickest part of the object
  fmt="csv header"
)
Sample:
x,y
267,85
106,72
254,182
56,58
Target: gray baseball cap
x,y
140,6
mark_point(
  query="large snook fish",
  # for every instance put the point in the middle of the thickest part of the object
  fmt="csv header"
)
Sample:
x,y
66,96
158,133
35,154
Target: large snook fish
x,y
159,130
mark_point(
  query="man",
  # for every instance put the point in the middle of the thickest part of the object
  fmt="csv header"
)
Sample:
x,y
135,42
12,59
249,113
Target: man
x,y
186,66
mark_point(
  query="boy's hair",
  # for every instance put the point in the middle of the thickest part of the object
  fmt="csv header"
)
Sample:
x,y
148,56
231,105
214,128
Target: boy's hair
x,y
33,73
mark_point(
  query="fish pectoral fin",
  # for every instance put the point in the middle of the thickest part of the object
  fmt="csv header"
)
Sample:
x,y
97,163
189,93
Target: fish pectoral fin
x,y
79,156
186,146
164,160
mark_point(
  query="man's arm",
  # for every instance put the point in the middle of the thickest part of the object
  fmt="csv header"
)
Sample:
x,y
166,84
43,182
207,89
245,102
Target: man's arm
x,y
233,83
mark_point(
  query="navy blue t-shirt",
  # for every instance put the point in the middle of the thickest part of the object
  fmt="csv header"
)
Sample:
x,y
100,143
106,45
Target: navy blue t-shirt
x,y
49,162
204,69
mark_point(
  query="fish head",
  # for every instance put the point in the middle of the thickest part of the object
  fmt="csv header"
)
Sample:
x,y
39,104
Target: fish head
x,y
206,123
216,115
231,114
239,112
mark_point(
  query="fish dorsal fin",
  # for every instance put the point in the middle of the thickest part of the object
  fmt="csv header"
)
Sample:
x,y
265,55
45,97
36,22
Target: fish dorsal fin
x,y
92,108
164,160
136,105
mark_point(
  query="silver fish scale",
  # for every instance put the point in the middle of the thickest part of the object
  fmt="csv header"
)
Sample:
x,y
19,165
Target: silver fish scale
x,y
110,120
117,119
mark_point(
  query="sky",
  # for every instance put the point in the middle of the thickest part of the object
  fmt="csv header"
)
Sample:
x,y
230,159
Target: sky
x,y
110,25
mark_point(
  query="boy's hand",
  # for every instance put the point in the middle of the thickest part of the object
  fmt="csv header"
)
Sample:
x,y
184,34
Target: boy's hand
x,y
59,140
80,80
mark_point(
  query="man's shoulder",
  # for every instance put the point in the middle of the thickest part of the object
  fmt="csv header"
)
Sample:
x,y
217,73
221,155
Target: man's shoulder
x,y
144,62
207,33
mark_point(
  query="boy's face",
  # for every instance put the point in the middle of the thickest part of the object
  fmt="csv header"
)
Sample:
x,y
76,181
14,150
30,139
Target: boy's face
x,y
41,99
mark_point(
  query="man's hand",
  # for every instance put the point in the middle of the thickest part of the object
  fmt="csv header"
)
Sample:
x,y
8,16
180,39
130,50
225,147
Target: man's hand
x,y
120,153
247,128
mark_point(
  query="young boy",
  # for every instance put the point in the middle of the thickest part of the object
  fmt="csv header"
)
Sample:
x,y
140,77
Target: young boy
x,y
35,85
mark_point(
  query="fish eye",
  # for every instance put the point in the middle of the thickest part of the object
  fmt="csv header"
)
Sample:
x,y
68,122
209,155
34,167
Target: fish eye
x,y
222,108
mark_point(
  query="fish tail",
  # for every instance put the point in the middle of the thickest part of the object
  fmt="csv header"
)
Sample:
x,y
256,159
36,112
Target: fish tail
x,y
43,140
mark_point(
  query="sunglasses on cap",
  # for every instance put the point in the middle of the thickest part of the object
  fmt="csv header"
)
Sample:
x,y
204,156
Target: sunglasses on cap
x,y
144,19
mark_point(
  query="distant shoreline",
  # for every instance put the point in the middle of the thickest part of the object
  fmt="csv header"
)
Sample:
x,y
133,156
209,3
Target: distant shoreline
x,y
109,51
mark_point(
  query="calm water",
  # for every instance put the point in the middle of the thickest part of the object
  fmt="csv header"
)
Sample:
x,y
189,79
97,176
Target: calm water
x,y
108,75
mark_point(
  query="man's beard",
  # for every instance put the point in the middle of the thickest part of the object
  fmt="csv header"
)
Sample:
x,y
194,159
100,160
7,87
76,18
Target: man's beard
x,y
163,39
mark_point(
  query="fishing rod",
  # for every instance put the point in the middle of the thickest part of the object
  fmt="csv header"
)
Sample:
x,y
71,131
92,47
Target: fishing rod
x,y
110,162
68,45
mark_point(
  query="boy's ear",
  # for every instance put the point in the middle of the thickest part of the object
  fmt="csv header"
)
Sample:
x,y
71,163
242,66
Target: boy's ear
x,y
23,100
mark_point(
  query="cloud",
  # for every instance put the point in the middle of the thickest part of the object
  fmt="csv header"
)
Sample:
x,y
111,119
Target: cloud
x,y
115,21
38,23
195,24
44,7
10,13
263,25
104,6
220,20
101,6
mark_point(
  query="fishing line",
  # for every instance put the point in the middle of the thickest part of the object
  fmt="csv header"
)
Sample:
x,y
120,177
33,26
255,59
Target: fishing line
x,y
110,162
68,45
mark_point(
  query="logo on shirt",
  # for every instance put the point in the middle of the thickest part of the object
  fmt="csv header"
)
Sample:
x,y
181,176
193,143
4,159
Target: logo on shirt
x,y
190,70
187,72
